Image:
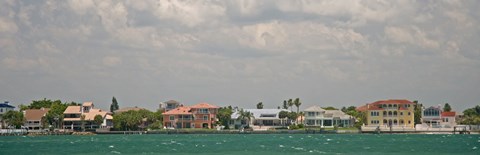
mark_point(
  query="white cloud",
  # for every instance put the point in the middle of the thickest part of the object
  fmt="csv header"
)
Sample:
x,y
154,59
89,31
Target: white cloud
x,y
112,61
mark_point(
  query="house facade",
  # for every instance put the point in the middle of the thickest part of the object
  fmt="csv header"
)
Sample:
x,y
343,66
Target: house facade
x,y
4,108
262,119
435,117
389,113
72,117
33,118
315,116
202,115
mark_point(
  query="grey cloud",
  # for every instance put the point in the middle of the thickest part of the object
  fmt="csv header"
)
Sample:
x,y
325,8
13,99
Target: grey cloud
x,y
329,53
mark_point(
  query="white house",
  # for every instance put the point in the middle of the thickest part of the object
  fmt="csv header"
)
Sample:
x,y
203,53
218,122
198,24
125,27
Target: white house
x,y
317,116
262,118
435,117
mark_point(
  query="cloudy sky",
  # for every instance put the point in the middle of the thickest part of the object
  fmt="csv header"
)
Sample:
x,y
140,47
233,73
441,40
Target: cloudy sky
x,y
327,53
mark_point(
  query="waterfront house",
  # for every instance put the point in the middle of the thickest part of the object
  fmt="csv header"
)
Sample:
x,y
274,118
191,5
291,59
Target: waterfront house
x,y
4,107
435,117
33,118
262,119
389,113
72,117
169,105
315,116
202,115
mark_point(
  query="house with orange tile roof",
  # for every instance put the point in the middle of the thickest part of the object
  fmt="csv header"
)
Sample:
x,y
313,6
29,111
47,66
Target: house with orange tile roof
x,y
202,115
72,117
33,118
389,113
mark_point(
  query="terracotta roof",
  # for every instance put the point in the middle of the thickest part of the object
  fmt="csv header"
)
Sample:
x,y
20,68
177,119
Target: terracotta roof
x,y
179,110
203,105
393,101
35,114
72,110
370,107
448,114
361,108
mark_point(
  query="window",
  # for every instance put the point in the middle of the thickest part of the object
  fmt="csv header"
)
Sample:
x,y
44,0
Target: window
x,y
395,113
401,113
311,114
384,113
374,113
408,115
172,118
205,117
203,111
408,122
1,109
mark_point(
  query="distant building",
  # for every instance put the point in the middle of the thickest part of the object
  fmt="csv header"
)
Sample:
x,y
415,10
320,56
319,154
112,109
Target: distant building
x,y
435,117
72,117
33,118
202,115
4,107
262,119
389,113
169,105
317,116
128,109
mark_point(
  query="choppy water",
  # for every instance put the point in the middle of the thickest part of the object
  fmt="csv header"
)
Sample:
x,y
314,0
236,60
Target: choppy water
x,y
243,144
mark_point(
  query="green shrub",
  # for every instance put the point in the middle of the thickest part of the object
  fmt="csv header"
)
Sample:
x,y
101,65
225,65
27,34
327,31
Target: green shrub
x,y
301,126
293,127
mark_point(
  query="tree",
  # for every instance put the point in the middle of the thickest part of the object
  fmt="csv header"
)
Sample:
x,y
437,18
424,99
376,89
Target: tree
x,y
297,103
14,118
344,109
447,107
283,115
98,119
260,105
417,112
82,122
245,115
290,104
329,108
292,116
285,105
224,115
114,105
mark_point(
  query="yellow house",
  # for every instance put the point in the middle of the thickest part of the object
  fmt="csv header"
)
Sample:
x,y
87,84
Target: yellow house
x,y
386,113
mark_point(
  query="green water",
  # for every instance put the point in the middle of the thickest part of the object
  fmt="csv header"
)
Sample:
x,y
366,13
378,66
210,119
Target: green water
x,y
242,144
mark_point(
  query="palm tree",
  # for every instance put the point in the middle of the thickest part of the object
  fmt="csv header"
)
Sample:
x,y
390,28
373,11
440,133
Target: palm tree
x,y
297,103
82,122
245,115
290,104
285,105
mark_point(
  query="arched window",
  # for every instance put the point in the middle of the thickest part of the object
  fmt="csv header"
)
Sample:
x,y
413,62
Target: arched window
x,y
389,113
389,105
395,121
401,121
395,113
401,113
408,113
384,113
385,121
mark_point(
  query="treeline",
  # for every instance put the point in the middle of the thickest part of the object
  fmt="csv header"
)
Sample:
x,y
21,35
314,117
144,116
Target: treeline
x,y
54,116
471,116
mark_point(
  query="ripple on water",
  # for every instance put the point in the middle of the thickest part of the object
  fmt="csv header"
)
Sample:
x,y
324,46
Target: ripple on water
x,y
115,152
281,146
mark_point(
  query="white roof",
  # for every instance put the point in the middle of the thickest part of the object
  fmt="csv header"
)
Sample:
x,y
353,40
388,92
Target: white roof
x,y
315,108
258,113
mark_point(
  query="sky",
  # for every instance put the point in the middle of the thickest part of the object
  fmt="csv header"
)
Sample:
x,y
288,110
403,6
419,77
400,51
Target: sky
x,y
327,53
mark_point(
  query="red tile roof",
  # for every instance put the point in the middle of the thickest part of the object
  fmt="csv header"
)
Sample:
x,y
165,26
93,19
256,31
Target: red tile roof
x,y
393,101
179,111
375,105
203,105
448,114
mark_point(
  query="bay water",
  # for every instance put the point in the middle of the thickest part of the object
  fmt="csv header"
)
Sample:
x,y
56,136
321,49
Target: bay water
x,y
242,144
